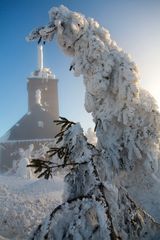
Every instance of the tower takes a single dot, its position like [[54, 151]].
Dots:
[[36, 126], [42, 88]]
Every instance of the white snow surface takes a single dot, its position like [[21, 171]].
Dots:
[[91, 136], [25, 203], [38, 96]]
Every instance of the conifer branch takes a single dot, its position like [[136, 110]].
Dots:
[[44, 167]]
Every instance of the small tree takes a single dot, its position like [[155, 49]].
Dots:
[[92, 208]]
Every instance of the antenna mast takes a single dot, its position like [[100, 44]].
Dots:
[[40, 57]]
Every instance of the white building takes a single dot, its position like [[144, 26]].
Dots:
[[36, 126]]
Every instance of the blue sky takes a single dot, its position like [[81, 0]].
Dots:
[[133, 24]]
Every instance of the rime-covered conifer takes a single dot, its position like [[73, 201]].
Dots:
[[128, 130]]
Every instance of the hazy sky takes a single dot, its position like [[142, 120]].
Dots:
[[133, 24]]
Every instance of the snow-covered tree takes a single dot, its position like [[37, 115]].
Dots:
[[127, 128], [93, 208], [91, 136]]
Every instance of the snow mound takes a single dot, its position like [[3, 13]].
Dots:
[[25, 203], [43, 186]]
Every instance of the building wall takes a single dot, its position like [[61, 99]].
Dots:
[[37, 126], [49, 94]]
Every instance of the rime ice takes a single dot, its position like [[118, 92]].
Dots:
[[126, 116]]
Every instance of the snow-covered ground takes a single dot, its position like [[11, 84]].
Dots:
[[25, 203]]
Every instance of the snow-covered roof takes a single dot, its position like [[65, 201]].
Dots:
[[30, 127], [43, 73]]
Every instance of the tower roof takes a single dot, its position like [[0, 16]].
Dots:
[[37, 124]]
